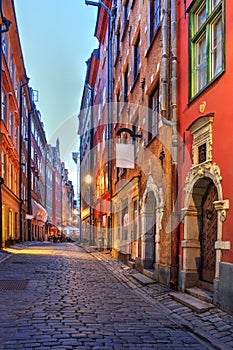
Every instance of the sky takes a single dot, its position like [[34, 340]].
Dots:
[[57, 38]]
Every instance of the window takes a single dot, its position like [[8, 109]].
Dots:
[[206, 44], [125, 220], [118, 106], [135, 139], [101, 182], [4, 45], [4, 116], [11, 224], [10, 176], [15, 182], [103, 138], [16, 137], [153, 114], [154, 18], [126, 11], [135, 215], [3, 164], [126, 84], [12, 70], [117, 43], [136, 58], [202, 153], [11, 125], [201, 130]]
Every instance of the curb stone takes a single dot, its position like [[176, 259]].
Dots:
[[125, 276]]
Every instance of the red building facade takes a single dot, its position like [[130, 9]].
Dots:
[[205, 55]]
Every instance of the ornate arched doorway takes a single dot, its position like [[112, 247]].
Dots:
[[151, 218], [203, 213]]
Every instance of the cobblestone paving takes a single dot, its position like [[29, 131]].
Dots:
[[214, 325], [72, 301]]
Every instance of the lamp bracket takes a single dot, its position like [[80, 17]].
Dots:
[[130, 132]]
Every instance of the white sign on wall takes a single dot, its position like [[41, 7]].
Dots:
[[125, 155]]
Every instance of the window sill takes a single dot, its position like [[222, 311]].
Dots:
[[194, 98]]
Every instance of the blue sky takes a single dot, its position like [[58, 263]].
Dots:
[[57, 37]]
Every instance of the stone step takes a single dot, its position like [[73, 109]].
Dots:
[[131, 264], [142, 279], [200, 294], [149, 273], [193, 303]]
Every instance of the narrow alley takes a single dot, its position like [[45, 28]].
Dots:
[[58, 296]]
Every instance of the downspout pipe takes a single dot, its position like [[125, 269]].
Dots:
[[111, 22], [29, 207], [175, 213], [169, 30], [164, 70], [29, 197], [21, 238]]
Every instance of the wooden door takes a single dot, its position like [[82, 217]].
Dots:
[[208, 235]]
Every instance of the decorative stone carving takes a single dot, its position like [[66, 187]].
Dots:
[[221, 207], [201, 129], [159, 197], [208, 170]]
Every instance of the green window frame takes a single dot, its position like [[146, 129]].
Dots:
[[206, 44]]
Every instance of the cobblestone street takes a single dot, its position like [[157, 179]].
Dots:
[[63, 297]]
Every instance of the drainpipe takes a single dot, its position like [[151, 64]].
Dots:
[[20, 160], [164, 70], [175, 214], [172, 122], [29, 197], [29, 177], [111, 22]]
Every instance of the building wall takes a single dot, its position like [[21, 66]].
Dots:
[[11, 78], [153, 175], [37, 164], [100, 111], [22, 183], [57, 188], [49, 183], [212, 101]]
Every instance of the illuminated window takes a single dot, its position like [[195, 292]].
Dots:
[[3, 164]]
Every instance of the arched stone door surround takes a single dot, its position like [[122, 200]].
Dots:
[[196, 184], [151, 217]]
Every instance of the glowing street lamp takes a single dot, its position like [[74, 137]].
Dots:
[[88, 179]]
